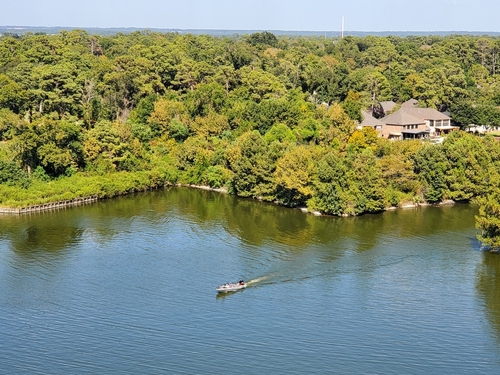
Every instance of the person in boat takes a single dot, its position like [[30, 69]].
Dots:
[[242, 282]]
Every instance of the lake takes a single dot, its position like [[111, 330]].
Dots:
[[127, 286]]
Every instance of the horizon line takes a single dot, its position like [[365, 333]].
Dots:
[[251, 29]]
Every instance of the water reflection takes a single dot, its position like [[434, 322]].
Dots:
[[30, 235], [221, 296], [488, 287], [254, 223], [120, 279], [54, 231]]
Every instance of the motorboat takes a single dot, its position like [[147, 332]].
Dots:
[[231, 287]]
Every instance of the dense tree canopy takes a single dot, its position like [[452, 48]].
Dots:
[[274, 118]]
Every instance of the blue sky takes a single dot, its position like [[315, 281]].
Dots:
[[302, 15]]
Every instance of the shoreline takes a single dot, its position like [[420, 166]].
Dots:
[[60, 204], [56, 205], [48, 206]]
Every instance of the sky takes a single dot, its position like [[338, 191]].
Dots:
[[287, 15]]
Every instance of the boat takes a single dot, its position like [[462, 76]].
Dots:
[[231, 287]]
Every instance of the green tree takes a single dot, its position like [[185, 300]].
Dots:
[[352, 107], [144, 108], [307, 130], [463, 113], [488, 220], [258, 85], [166, 110], [368, 177], [263, 39], [280, 133], [108, 147], [379, 53], [337, 126], [398, 171], [441, 84], [54, 145], [205, 98], [349, 185], [193, 157], [9, 122], [324, 78], [132, 79], [364, 138], [371, 84], [56, 89], [253, 163], [469, 171], [190, 74], [430, 166], [177, 130], [294, 175], [332, 184], [212, 124], [11, 174], [11, 94]]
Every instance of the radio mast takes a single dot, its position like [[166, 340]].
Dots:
[[342, 31]]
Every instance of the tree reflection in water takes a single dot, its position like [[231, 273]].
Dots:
[[488, 286]]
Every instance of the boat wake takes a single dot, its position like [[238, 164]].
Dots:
[[257, 280], [252, 282]]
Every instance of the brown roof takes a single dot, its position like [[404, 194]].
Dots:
[[369, 120], [401, 118], [387, 106], [426, 113], [412, 103]]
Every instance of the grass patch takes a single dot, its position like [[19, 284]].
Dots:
[[80, 185]]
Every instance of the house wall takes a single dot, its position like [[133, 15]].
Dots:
[[387, 129], [443, 122], [415, 126]]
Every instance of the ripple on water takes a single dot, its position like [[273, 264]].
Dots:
[[128, 286]]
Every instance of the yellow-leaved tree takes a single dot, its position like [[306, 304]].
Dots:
[[294, 175]]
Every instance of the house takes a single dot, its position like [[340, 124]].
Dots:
[[438, 122], [412, 122], [402, 125], [481, 129], [371, 122]]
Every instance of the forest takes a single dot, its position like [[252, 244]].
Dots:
[[262, 116]]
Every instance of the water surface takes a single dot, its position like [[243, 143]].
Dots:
[[128, 286]]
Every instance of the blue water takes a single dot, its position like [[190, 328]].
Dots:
[[128, 286]]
